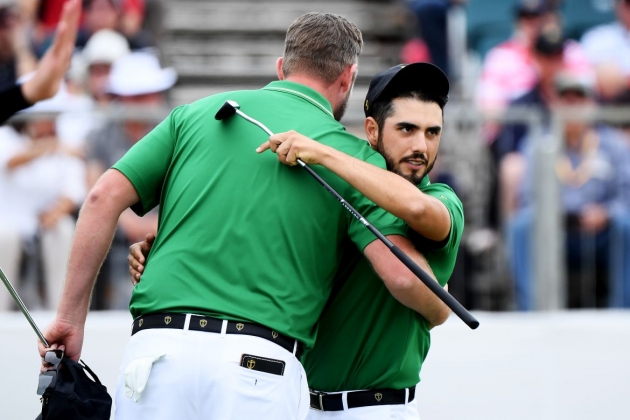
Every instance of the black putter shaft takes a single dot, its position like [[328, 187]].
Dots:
[[18, 300], [230, 108]]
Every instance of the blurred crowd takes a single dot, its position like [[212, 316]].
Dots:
[[539, 67], [55, 151]]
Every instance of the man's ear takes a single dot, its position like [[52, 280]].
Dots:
[[371, 131], [348, 77], [279, 71]]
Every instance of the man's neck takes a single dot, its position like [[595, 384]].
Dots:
[[314, 84]]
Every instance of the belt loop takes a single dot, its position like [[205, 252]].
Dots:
[[187, 322], [224, 327], [295, 347], [406, 395], [344, 400]]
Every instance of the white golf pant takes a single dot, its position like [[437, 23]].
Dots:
[[170, 374], [407, 411]]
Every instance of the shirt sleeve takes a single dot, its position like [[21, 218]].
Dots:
[[455, 209], [447, 249], [385, 222], [146, 164], [11, 101]]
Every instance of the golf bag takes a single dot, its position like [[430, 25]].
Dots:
[[73, 395]]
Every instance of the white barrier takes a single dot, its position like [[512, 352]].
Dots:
[[516, 366]]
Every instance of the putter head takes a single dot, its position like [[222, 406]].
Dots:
[[227, 110]]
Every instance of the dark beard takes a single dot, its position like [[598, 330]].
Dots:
[[415, 179], [340, 111]]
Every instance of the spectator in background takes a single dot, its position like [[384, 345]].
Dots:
[[16, 56], [124, 16], [431, 19], [8, 74], [95, 62], [50, 70], [609, 45], [42, 186], [548, 58], [101, 51], [136, 80], [594, 174], [549, 55], [510, 69]]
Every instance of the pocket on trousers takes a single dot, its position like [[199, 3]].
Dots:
[[263, 364], [258, 376]]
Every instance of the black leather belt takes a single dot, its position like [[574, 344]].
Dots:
[[333, 402], [209, 324]]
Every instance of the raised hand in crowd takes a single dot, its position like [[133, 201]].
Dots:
[[53, 65]]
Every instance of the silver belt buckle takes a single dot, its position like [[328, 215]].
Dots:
[[319, 395]]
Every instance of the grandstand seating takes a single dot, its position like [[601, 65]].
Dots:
[[581, 15], [221, 44], [491, 21]]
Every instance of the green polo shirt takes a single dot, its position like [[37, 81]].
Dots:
[[241, 236], [367, 339]]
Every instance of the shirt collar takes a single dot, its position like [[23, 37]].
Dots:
[[302, 91], [425, 181]]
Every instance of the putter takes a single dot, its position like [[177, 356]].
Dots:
[[230, 108], [18, 300]]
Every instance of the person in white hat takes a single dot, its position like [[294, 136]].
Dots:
[[101, 51], [136, 81]]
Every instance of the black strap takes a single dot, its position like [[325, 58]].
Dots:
[[90, 371], [214, 325], [11, 101], [334, 402]]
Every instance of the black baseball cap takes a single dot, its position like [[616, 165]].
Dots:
[[550, 40], [423, 77]]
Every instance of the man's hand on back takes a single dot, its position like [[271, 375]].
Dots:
[[137, 257]]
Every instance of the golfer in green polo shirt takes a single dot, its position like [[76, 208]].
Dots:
[[369, 349], [246, 250]]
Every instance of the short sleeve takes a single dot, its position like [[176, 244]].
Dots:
[[456, 210], [147, 162], [385, 222]]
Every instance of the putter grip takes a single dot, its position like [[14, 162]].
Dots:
[[449, 300]]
